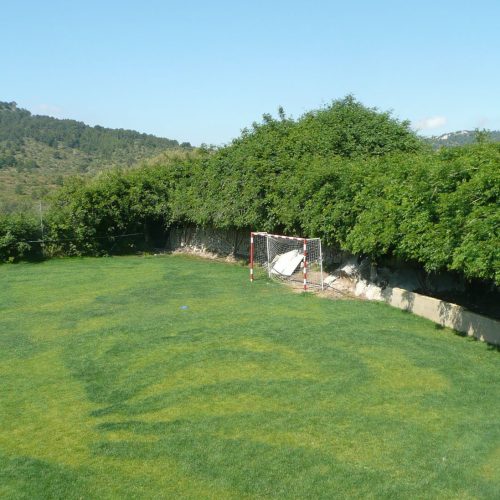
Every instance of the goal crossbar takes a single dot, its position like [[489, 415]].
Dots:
[[298, 238]]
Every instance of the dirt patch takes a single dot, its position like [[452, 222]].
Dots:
[[342, 288], [203, 254]]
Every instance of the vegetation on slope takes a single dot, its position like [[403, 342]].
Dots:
[[351, 175], [111, 390], [38, 152], [464, 137]]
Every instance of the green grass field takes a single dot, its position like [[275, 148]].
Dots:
[[109, 389]]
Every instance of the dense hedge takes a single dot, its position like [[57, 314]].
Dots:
[[18, 236], [353, 176]]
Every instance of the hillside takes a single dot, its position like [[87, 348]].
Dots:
[[464, 137], [37, 152]]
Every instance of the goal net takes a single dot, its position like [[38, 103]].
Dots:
[[287, 258]]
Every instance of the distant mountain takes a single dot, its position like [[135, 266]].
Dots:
[[37, 152], [462, 137]]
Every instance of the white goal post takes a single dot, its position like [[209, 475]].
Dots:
[[287, 258]]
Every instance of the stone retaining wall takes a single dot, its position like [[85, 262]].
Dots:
[[202, 240]]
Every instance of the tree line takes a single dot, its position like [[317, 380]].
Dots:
[[17, 124]]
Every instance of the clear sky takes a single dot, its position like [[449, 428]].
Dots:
[[201, 71]]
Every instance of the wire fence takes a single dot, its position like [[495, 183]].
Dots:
[[35, 249], [62, 240]]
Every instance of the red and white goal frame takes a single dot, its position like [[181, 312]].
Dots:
[[288, 258]]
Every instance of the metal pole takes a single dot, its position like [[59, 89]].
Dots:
[[268, 256], [305, 264], [251, 257], [321, 264], [41, 219]]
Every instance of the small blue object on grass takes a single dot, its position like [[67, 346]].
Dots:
[[184, 307]]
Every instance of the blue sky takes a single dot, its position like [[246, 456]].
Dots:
[[201, 71]]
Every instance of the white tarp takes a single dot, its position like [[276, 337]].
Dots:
[[286, 263]]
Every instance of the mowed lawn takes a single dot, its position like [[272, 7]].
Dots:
[[110, 388]]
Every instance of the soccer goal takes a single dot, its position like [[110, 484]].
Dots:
[[287, 258]]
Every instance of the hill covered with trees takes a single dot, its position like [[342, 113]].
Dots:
[[464, 137], [38, 152]]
